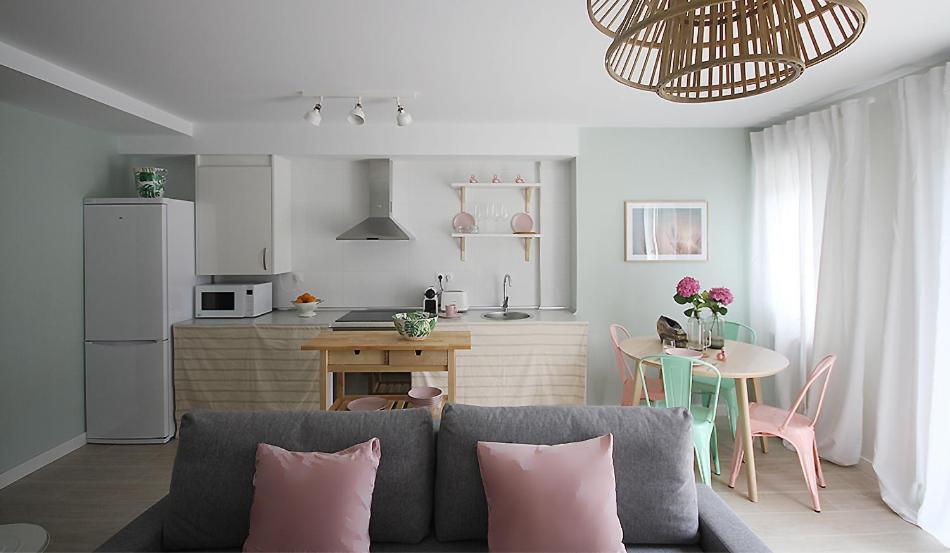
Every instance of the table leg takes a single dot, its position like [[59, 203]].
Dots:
[[324, 380], [745, 433], [451, 369], [759, 398], [637, 388], [339, 385]]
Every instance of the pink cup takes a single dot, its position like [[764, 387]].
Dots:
[[451, 310]]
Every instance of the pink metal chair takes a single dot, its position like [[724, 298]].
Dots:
[[794, 427], [653, 385]]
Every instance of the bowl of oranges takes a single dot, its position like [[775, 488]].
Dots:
[[306, 304]]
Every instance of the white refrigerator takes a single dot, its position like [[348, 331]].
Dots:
[[139, 280]]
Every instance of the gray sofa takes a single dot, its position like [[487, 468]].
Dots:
[[428, 494]]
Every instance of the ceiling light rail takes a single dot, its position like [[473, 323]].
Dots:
[[357, 116]]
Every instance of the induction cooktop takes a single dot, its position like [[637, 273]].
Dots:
[[370, 316]]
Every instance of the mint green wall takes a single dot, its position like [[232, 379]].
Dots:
[[614, 165], [47, 167]]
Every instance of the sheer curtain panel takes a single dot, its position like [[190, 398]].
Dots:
[[912, 446], [809, 215]]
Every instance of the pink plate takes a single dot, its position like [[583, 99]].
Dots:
[[369, 403], [464, 221], [522, 222], [684, 352]]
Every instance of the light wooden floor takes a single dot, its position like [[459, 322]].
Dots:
[[85, 497], [852, 517]]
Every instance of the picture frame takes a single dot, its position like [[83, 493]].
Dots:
[[666, 230]]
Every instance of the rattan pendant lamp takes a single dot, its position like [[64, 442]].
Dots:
[[696, 51]]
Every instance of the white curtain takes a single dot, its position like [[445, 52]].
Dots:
[[912, 446], [809, 215]]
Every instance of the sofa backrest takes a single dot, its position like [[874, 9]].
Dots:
[[653, 464], [212, 490]]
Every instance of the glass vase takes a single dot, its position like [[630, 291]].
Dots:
[[714, 326], [695, 333]]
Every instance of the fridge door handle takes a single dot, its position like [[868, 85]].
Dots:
[[264, 259]]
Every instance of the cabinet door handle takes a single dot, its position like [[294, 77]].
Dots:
[[264, 259]]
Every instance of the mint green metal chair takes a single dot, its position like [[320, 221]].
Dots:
[[727, 390], [678, 377]]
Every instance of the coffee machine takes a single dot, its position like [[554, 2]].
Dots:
[[430, 301]]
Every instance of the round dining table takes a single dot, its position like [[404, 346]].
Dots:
[[743, 362]]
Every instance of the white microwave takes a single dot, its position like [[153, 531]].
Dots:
[[233, 300]]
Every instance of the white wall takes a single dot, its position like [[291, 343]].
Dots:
[[330, 197], [496, 140], [654, 164]]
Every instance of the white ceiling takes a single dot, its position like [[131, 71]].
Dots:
[[498, 61]]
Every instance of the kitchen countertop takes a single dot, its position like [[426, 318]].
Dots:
[[324, 317]]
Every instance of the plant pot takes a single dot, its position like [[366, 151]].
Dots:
[[150, 182]]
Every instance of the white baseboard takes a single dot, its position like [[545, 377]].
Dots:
[[41, 460]]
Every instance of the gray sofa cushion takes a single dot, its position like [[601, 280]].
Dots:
[[211, 490], [653, 463]]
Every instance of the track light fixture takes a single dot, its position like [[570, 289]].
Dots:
[[313, 116], [356, 116], [403, 117]]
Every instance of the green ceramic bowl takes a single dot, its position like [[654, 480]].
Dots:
[[415, 325]]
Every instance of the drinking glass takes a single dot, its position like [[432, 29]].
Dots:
[[668, 344], [495, 216], [478, 211]]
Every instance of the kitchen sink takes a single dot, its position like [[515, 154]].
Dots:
[[506, 316]]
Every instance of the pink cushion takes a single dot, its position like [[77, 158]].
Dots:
[[551, 497], [313, 501]]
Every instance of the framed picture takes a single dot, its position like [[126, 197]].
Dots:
[[665, 231]]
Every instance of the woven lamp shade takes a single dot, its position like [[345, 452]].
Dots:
[[710, 50], [607, 15]]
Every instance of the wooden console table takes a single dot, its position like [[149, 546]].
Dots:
[[384, 351]]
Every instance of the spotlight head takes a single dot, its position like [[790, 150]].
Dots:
[[356, 116], [403, 117], [313, 116]]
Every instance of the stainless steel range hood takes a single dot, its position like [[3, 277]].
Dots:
[[380, 224]]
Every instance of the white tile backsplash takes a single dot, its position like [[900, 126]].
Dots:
[[330, 196]]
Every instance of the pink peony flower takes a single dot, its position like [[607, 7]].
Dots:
[[722, 295], [687, 287]]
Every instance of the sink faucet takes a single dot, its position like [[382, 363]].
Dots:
[[504, 285]]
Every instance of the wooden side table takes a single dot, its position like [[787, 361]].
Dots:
[[383, 351]]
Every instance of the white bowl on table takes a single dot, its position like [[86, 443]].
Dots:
[[307, 309]]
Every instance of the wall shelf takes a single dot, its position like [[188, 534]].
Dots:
[[490, 235], [527, 189], [495, 185], [528, 240]]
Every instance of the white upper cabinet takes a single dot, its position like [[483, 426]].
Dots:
[[243, 215]]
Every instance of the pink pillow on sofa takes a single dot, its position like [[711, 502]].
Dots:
[[313, 501], [551, 497]]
